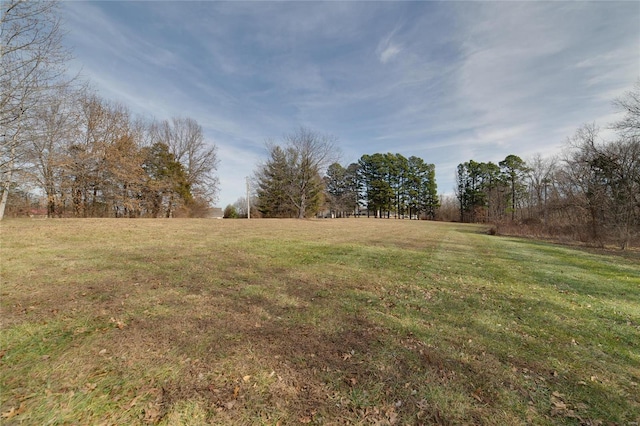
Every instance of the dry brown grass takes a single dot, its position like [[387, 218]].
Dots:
[[287, 322]]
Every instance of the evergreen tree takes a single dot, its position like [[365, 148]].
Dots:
[[167, 185], [273, 185], [515, 170]]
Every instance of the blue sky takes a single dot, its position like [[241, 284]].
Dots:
[[445, 81]]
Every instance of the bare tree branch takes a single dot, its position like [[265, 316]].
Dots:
[[33, 59]]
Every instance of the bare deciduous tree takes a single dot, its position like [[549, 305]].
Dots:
[[310, 152], [95, 161], [290, 182], [55, 123], [602, 179], [629, 125], [541, 172], [33, 58], [185, 139]]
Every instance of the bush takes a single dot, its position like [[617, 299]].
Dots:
[[230, 212]]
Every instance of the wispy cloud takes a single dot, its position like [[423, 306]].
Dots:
[[444, 81], [388, 51], [534, 65]]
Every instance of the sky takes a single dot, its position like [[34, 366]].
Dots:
[[445, 81]]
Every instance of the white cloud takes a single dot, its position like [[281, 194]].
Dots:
[[445, 81], [534, 64], [387, 49], [389, 52]]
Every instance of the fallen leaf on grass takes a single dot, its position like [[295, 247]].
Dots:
[[559, 405], [119, 324], [305, 419], [392, 416], [560, 408], [9, 414], [246, 378], [13, 412], [132, 403], [477, 395], [151, 413]]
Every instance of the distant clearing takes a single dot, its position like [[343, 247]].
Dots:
[[280, 322]]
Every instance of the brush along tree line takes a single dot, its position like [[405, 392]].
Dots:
[[89, 157], [589, 193]]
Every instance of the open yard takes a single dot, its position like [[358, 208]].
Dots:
[[281, 322]]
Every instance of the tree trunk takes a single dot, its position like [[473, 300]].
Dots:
[[302, 210], [5, 195], [7, 183]]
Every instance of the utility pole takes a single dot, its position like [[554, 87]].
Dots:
[[546, 182], [248, 199]]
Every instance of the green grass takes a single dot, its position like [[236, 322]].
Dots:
[[315, 322]]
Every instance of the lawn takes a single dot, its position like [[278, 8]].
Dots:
[[279, 322]]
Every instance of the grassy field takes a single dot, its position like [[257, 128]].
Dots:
[[281, 322]]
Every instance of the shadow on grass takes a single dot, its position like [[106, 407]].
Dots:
[[332, 359], [304, 337]]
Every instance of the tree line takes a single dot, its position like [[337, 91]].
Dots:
[[591, 192], [293, 182], [88, 156], [491, 192], [92, 157]]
